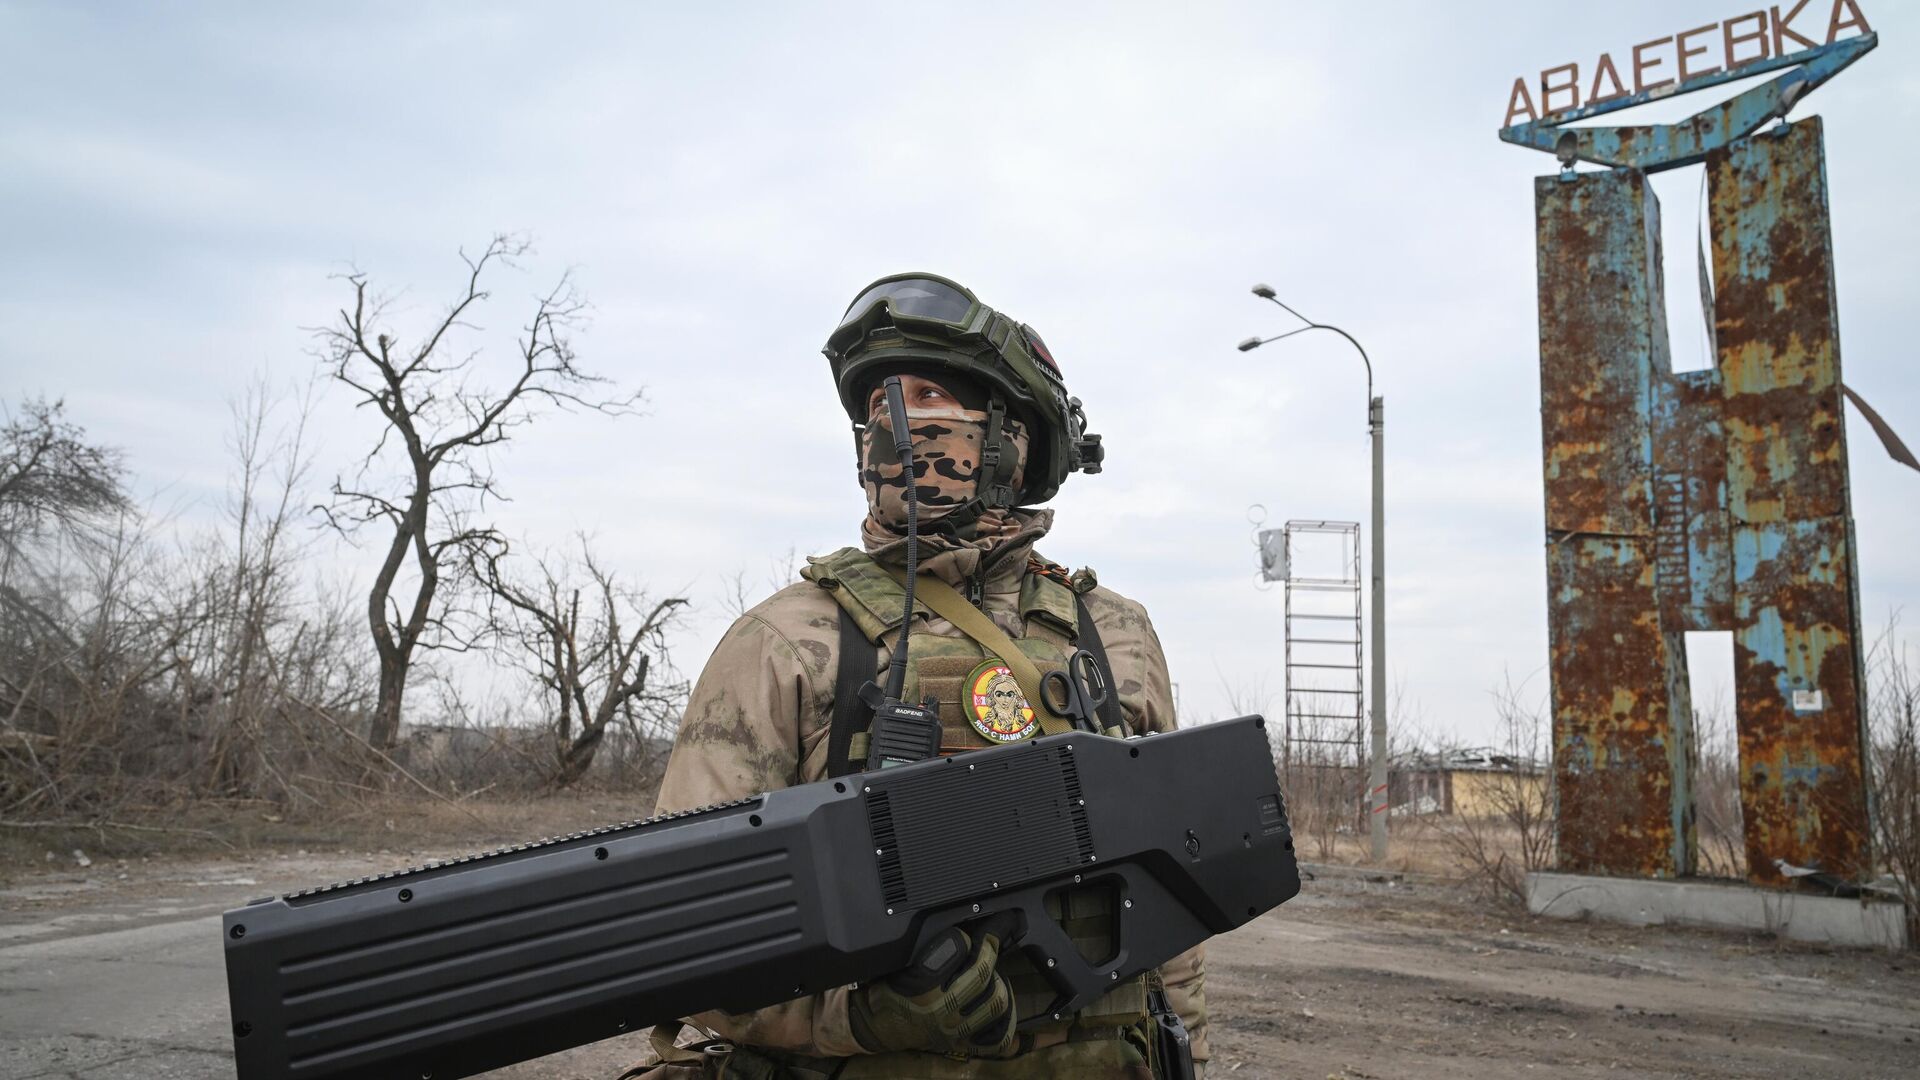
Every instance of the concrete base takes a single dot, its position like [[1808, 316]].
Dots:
[[1723, 905]]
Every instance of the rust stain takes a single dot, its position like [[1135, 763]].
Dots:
[[1706, 500], [1592, 357], [1602, 342], [1796, 627], [1775, 319]]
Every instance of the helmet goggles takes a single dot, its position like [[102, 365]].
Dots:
[[935, 307], [916, 298]]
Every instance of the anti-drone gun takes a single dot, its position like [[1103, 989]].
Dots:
[[459, 967], [455, 968]]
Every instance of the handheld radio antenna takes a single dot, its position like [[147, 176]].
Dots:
[[900, 733], [903, 449]]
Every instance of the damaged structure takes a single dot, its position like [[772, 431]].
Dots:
[[1702, 500]]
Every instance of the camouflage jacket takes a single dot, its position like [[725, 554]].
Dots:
[[759, 717]]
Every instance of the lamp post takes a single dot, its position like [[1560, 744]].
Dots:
[[1377, 800]]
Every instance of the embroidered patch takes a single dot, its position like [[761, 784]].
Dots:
[[995, 706]]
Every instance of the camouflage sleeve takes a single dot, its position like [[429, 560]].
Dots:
[[1185, 977], [753, 714], [1146, 696], [1139, 665], [740, 732]]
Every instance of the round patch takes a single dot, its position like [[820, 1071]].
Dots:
[[995, 705]]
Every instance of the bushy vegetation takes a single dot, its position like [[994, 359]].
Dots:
[[144, 662]]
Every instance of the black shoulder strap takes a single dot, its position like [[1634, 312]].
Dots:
[[859, 661], [1110, 716]]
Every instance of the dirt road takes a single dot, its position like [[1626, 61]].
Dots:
[[1354, 979], [104, 975]]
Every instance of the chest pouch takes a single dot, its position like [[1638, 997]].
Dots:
[[1055, 620]]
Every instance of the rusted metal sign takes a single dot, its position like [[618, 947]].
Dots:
[[1709, 500], [1692, 59]]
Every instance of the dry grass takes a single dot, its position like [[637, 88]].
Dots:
[[147, 667], [396, 823]]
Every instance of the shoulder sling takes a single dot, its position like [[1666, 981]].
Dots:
[[860, 662]]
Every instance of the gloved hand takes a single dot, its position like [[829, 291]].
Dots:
[[949, 1000]]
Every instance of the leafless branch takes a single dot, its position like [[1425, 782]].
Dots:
[[51, 474], [427, 476], [570, 626]]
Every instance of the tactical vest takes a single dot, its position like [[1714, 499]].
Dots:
[[870, 602]]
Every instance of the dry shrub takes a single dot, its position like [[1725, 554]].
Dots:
[[146, 665], [1893, 723], [1511, 832], [1319, 777], [470, 753], [1323, 784], [136, 672], [1722, 850]]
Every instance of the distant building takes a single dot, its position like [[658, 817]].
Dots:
[[1475, 782]]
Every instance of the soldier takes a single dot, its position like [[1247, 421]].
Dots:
[[994, 433]]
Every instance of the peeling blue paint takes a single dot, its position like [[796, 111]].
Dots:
[[1712, 500]]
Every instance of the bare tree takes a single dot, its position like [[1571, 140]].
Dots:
[[50, 473], [439, 428], [594, 647]]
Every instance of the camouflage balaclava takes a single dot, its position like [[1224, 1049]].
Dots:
[[947, 463]]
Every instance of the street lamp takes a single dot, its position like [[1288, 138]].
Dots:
[[1377, 800]]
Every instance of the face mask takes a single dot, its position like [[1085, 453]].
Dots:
[[947, 452]]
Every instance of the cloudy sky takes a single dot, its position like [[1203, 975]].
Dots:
[[178, 183]]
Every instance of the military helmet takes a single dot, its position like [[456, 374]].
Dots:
[[921, 321]]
